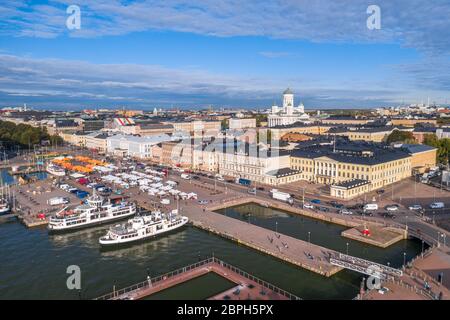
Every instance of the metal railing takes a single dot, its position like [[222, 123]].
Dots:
[[261, 282], [117, 294], [127, 290]]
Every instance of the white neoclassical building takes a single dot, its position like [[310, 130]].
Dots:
[[287, 114]]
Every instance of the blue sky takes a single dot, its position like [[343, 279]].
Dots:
[[146, 54]]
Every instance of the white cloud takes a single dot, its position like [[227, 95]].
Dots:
[[413, 23], [58, 81]]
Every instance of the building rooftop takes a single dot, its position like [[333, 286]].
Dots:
[[350, 184], [283, 172], [357, 153], [417, 148]]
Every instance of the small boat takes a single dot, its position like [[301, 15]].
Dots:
[[4, 206], [55, 170]]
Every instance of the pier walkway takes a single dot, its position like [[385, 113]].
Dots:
[[301, 253], [247, 286]]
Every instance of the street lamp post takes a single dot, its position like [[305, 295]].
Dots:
[[309, 236], [404, 258], [303, 198], [347, 248], [276, 226], [422, 247]]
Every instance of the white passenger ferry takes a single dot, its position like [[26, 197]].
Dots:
[[143, 227], [95, 211], [55, 170]]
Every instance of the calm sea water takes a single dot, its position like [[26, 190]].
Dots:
[[33, 264]]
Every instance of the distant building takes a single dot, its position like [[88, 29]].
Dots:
[[412, 122], [127, 125], [242, 123], [133, 146], [340, 120], [96, 141], [197, 127], [91, 125], [295, 137], [369, 134], [287, 114]]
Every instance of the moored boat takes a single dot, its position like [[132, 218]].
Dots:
[[143, 227]]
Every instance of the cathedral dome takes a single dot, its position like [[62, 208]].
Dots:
[[288, 91]]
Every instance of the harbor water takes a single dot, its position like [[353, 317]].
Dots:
[[33, 263]]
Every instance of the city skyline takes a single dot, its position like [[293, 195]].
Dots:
[[224, 54]]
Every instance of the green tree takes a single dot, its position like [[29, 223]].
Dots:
[[401, 136], [224, 124], [443, 146], [24, 135], [260, 118]]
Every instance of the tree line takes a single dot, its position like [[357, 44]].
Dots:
[[25, 135]]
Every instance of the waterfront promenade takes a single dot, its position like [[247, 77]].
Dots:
[[301, 253]]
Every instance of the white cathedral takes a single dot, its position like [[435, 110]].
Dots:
[[288, 114]]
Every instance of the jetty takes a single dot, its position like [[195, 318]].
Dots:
[[247, 285]]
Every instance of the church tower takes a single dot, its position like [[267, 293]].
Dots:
[[288, 101]]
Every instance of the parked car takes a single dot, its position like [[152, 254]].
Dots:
[[345, 211], [260, 189], [324, 209], [370, 206], [415, 207], [437, 205], [316, 201], [308, 206], [203, 201], [251, 191], [389, 215], [381, 191], [195, 177], [392, 207]]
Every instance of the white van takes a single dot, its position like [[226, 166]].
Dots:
[[371, 206], [437, 205], [185, 176]]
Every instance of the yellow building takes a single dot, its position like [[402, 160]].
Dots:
[[337, 165], [345, 120], [423, 157], [280, 131], [378, 134], [412, 122]]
